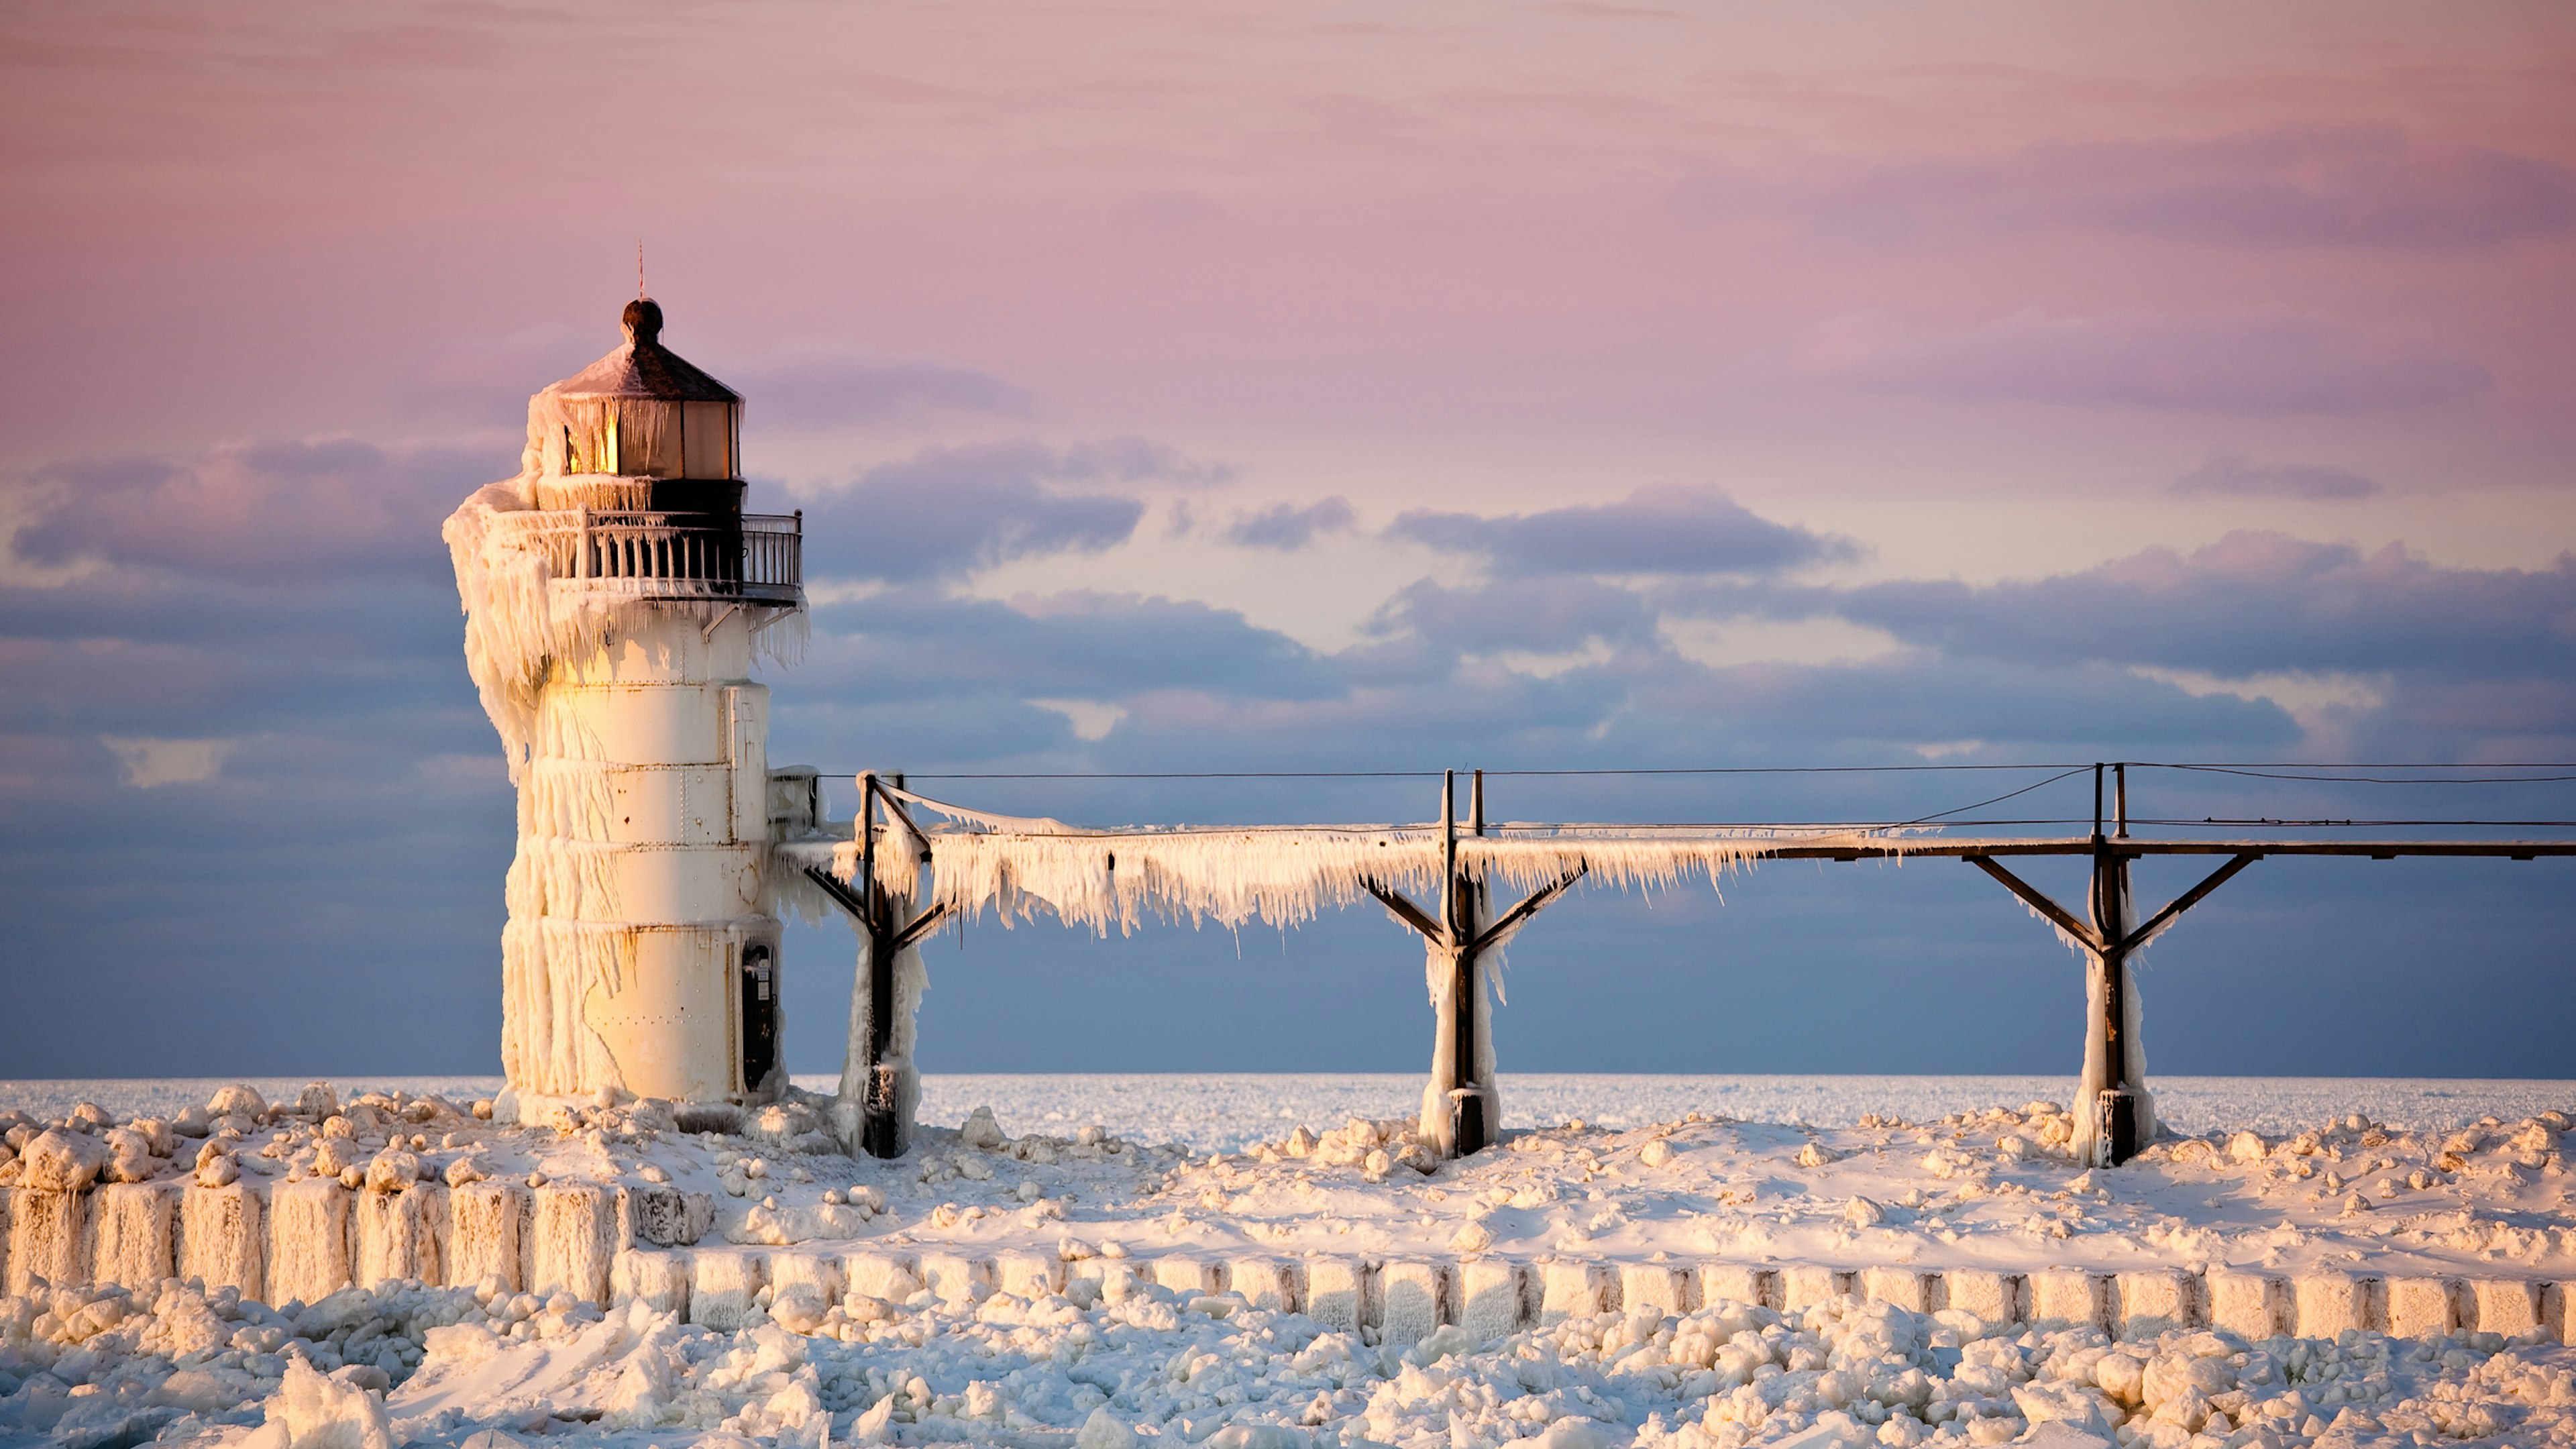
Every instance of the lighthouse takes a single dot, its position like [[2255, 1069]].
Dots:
[[616, 595]]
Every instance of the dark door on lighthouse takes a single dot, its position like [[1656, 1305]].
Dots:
[[759, 987]]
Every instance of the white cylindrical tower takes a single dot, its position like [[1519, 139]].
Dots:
[[615, 596]]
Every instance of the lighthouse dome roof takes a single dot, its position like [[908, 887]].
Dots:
[[643, 368]]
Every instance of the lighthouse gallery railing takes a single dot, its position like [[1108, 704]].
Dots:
[[684, 555]]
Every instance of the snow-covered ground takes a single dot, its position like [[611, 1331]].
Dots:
[[1064, 1178], [1212, 1112]]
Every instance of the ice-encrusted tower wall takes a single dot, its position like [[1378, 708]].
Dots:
[[615, 596]]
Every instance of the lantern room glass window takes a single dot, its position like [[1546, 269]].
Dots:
[[647, 438]]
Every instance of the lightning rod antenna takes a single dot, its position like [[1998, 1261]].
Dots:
[[639, 267]]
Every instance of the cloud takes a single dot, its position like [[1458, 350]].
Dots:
[[1539, 616], [1076, 645], [950, 511], [275, 512], [2255, 363], [1912, 703], [2351, 187], [312, 746], [1652, 531], [1139, 460], [1287, 528], [150, 762], [2251, 604], [2244, 478], [1090, 720]]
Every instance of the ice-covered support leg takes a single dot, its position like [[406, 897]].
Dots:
[[1461, 1108], [2115, 1113], [880, 1085]]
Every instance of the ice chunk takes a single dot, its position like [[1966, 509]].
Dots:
[[874, 1427], [812, 1223], [980, 1130], [392, 1171], [1028, 1274], [2059, 1434], [2061, 1401], [238, 1100], [333, 1156], [2170, 1376], [791, 1127], [314, 1412], [799, 1308], [1257, 1436], [61, 1161], [1576, 1432], [1103, 1430]]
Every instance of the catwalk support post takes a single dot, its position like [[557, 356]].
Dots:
[[2114, 1114], [871, 1111], [2117, 1105], [1461, 1108]]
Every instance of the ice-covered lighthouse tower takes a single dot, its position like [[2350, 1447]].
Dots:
[[615, 595]]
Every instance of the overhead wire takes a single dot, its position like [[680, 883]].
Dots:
[[1936, 819]]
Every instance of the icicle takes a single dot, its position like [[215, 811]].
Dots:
[[1281, 876], [526, 611]]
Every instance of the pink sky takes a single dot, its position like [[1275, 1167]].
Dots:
[[1604, 232]]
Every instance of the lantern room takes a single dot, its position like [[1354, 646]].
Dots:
[[639, 429]]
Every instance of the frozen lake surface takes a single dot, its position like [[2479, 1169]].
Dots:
[[1209, 1111]]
